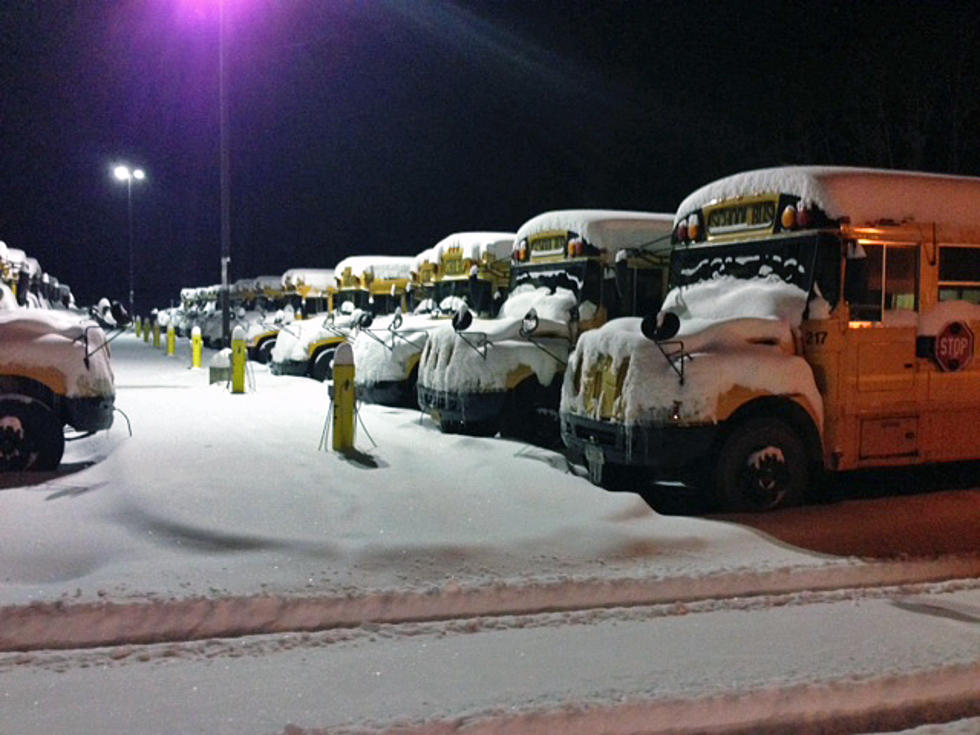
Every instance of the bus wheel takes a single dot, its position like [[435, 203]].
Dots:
[[31, 438], [322, 367], [761, 465]]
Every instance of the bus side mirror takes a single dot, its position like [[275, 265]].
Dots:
[[364, 319], [462, 319], [119, 314], [660, 327], [529, 324], [396, 320]]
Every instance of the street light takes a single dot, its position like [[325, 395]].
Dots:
[[225, 185], [125, 173]]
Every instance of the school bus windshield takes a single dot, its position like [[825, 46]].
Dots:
[[800, 261], [581, 278]]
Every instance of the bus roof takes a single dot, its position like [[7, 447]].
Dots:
[[475, 244], [862, 195], [606, 229], [429, 254], [382, 266], [270, 282], [319, 278]]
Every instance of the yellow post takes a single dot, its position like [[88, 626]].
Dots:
[[146, 333], [239, 355], [156, 333], [139, 326], [196, 347], [343, 398], [171, 340]]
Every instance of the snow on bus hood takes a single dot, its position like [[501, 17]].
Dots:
[[738, 334], [50, 346], [295, 338], [704, 304], [384, 354], [452, 365]]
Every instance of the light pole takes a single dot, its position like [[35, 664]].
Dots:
[[225, 184], [125, 173]]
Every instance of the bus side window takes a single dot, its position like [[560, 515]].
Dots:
[[959, 274], [884, 279], [862, 281], [901, 278]]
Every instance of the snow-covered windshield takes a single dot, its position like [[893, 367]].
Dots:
[[347, 301], [797, 261], [583, 279]]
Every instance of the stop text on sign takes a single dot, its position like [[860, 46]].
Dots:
[[954, 346]]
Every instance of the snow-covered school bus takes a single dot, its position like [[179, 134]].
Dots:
[[571, 270], [470, 269], [820, 318], [306, 291], [365, 284], [54, 372]]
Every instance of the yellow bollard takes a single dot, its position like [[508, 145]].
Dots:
[[239, 355], [139, 327], [343, 398], [146, 333], [171, 340], [196, 347], [156, 333]]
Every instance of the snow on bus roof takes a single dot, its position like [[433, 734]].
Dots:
[[16, 256], [603, 228], [270, 282], [382, 266], [429, 254], [319, 278], [475, 244], [864, 195]]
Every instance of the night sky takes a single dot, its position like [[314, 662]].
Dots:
[[380, 126]]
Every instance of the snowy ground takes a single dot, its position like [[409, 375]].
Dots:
[[216, 572]]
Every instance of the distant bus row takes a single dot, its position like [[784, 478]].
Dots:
[[29, 285], [782, 323]]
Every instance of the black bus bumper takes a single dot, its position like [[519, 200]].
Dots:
[[462, 409], [657, 448], [89, 414]]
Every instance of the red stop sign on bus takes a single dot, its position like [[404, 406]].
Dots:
[[954, 347]]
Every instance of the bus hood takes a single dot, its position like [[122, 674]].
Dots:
[[66, 353], [383, 354], [617, 374]]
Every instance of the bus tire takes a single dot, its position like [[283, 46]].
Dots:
[[31, 436], [322, 367], [761, 465]]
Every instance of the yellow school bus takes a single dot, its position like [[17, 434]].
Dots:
[[820, 319]]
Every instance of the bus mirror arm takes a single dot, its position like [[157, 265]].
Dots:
[[675, 358], [482, 345]]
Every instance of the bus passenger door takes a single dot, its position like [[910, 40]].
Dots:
[[883, 386]]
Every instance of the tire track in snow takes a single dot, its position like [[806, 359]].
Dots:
[[842, 704], [63, 625], [827, 708]]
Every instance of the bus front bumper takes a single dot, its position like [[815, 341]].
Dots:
[[289, 367], [398, 393], [462, 409], [658, 448], [89, 414]]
